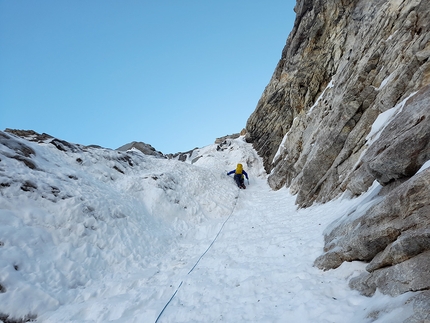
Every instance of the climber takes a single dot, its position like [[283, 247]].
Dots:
[[238, 176]]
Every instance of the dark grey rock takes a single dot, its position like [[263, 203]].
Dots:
[[394, 229], [409, 244], [421, 306], [29, 135], [224, 138], [404, 145], [398, 279]]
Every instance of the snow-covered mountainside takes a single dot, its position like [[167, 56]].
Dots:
[[96, 235], [72, 215]]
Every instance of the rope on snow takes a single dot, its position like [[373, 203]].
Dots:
[[197, 262]]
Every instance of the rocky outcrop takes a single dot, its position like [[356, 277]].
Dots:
[[393, 230], [182, 156], [120, 161], [147, 149], [345, 62], [188, 155], [233, 136], [348, 105], [224, 138]]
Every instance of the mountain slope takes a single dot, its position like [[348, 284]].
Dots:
[[71, 215]]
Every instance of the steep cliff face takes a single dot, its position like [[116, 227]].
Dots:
[[345, 62], [348, 105]]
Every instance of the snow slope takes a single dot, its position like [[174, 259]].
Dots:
[[94, 235]]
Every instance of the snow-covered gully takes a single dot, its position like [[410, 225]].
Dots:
[[198, 260], [169, 241], [261, 269]]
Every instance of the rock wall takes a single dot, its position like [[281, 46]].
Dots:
[[345, 62], [348, 105]]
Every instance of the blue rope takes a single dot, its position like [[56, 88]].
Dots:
[[169, 301], [216, 237], [195, 265]]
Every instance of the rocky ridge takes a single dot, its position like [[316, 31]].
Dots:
[[347, 66], [147, 149]]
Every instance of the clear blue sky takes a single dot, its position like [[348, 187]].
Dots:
[[172, 73]]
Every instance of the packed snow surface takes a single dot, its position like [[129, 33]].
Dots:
[[94, 235]]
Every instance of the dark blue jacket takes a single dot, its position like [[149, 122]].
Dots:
[[234, 171]]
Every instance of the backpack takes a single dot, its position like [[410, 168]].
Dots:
[[239, 169]]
